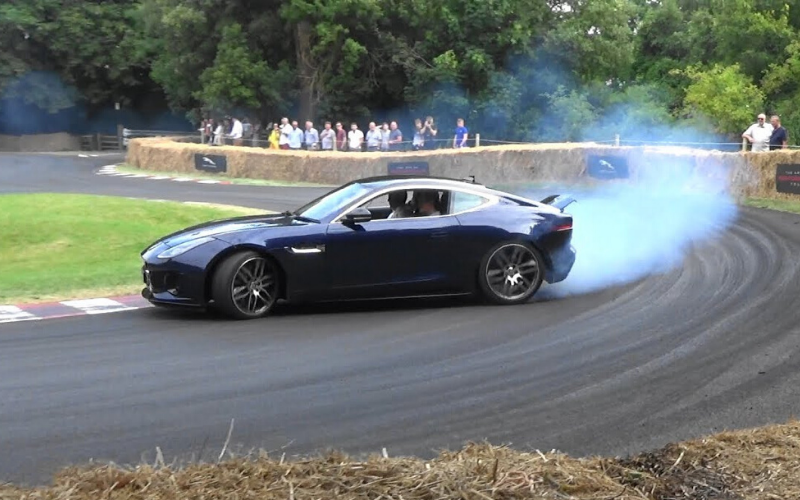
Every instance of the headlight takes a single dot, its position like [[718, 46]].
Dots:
[[183, 247]]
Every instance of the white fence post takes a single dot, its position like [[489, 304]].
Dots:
[[616, 140], [477, 140]]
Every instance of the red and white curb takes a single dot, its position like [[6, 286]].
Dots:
[[68, 308], [111, 170]]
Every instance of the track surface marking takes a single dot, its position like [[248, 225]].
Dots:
[[708, 346]]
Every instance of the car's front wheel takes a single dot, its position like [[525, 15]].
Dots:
[[511, 272], [245, 285]]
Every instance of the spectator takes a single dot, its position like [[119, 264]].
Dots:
[[395, 137], [275, 137], [295, 137], [419, 140], [255, 139], [385, 136], [758, 134], [327, 136], [218, 133], [210, 131], [247, 130], [311, 137], [374, 138], [355, 138], [341, 137], [286, 132], [236, 131], [462, 134], [429, 133], [779, 137]]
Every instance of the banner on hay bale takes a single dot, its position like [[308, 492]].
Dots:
[[607, 167], [210, 163], [409, 168], [787, 178]]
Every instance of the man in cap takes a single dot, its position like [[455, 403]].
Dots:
[[758, 134]]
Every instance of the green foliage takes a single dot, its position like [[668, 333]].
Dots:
[[725, 95], [570, 112], [238, 79], [515, 69], [54, 53]]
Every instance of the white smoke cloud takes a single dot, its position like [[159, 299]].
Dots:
[[628, 230]]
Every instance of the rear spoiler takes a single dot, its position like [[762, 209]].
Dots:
[[559, 201]]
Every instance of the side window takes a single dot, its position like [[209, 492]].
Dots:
[[389, 205], [466, 201]]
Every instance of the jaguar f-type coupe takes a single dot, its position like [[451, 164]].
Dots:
[[374, 238]]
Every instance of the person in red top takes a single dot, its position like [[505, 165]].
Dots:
[[341, 137]]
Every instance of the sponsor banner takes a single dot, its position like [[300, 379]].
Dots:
[[787, 178], [210, 163], [607, 167], [409, 168]]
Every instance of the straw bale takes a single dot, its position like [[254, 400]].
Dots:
[[745, 174], [758, 464]]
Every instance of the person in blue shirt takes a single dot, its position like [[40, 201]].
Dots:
[[462, 134], [779, 138]]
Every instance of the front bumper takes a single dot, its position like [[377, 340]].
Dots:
[[168, 285], [181, 280]]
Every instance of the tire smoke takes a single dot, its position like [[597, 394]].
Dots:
[[627, 230]]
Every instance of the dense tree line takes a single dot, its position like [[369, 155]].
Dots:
[[524, 70]]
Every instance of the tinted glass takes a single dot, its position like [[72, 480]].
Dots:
[[332, 203], [466, 201]]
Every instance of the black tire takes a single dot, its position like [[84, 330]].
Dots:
[[255, 276], [511, 272]]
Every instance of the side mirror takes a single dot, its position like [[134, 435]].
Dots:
[[358, 215]]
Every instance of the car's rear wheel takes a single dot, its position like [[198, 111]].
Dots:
[[511, 272], [245, 285]]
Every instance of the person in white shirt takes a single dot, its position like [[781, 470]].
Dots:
[[218, 133], [758, 134], [237, 130], [286, 132], [355, 138]]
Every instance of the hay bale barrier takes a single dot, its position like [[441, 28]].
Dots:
[[745, 173], [753, 464]]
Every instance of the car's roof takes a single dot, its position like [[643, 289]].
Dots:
[[380, 182]]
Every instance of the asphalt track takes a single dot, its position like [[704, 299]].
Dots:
[[711, 345], [60, 173]]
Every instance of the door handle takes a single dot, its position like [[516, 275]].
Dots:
[[440, 234]]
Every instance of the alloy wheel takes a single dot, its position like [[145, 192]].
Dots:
[[512, 271], [254, 287]]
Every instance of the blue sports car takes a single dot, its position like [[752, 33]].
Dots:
[[381, 237]]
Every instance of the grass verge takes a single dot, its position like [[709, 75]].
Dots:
[[757, 464], [63, 246], [128, 169], [792, 206]]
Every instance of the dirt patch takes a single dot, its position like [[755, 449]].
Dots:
[[757, 464]]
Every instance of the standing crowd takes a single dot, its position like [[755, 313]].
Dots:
[[766, 136], [285, 135]]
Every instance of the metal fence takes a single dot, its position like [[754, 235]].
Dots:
[[100, 142]]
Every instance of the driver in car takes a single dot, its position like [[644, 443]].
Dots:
[[397, 202], [427, 202]]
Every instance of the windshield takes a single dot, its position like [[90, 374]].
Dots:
[[330, 204]]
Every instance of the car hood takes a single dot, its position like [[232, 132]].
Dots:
[[225, 226]]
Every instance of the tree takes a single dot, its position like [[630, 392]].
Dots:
[[238, 80], [56, 53], [725, 95]]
